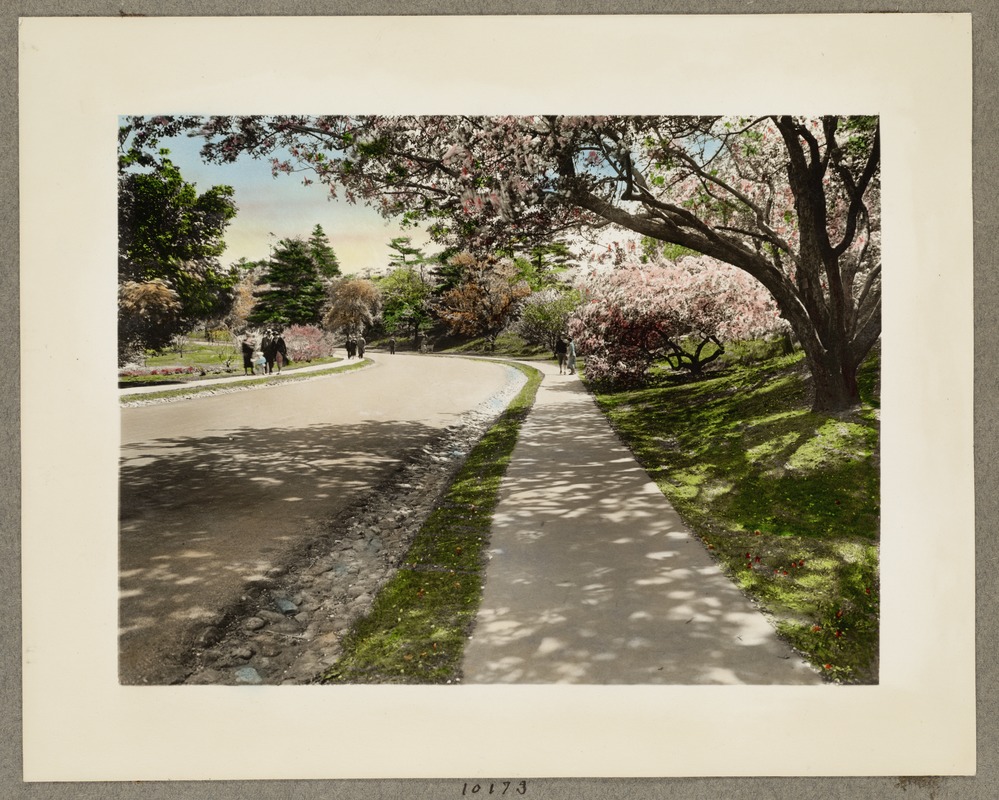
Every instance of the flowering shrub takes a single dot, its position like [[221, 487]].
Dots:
[[307, 342], [635, 315], [142, 373]]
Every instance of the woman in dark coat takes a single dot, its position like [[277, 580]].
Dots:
[[268, 346], [248, 346], [280, 351]]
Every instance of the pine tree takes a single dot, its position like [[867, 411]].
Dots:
[[291, 290], [319, 247]]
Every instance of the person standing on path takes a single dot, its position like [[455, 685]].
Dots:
[[570, 349], [360, 346], [392, 345], [561, 350], [268, 346], [351, 346], [248, 347], [280, 351]]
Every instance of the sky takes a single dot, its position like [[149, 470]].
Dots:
[[273, 208]]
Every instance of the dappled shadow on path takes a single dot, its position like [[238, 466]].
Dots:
[[593, 577], [203, 517]]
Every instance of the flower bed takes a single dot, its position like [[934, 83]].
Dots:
[[143, 373]]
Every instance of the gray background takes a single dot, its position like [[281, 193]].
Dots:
[[986, 176]]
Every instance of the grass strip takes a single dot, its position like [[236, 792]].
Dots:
[[786, 499], [193, 388], [420, 620]]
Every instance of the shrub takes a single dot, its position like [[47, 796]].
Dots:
[[308, 342]]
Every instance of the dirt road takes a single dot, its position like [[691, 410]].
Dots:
[[215, 490]]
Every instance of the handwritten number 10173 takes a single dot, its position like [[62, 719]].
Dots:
[[494, 788]]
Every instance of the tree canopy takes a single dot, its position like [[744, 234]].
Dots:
[[354, 304], [290, 290], [486, 298], [544, 316], [792, 201], [322, 253], [170, 237]]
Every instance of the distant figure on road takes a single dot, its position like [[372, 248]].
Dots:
[[351, 346], [360, 346], [571, 356], [392, 345], [561, 349], [248, 347]]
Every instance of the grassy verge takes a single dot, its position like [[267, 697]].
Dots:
[[420, 620], [285, 377], [507, 344], [786, 499], [203, 371]]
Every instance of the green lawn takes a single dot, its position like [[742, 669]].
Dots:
[[787, 500]]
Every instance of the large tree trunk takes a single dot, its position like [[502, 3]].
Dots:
[[835, 383]]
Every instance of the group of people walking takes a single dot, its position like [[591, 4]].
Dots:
[[273, 353], [565, 352], [355, 346]]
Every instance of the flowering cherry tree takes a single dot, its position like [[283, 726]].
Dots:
[[792, 201], [684, 313]]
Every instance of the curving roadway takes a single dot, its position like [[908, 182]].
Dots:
[[215, 489]]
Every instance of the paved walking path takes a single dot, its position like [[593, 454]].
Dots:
[[594, 579]]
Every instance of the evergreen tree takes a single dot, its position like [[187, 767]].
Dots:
[[291, 290], [319, 248], [405, 255]]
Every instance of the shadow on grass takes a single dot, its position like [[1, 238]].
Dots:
[[788, 499]]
